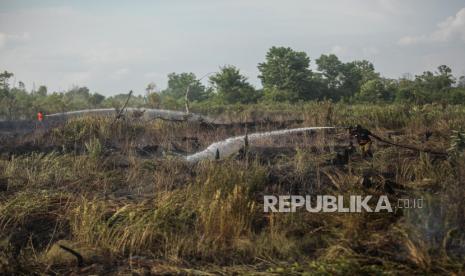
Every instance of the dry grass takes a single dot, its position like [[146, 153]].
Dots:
[[125, 212]]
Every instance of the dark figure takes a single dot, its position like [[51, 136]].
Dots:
[[363, 139]]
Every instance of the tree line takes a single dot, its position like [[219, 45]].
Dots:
[[285, 75]]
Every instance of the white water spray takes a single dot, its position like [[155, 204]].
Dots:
[[225, 147], [147, 114], [234, 144]]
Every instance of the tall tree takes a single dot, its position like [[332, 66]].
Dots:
[[429, 86], [152, 97], [96, 100], [21, 86], [179, 83], [232, 87], [377, 90], [444, 79], [286, 70], [78, 97], [4, 80], [331, 68], [345, 79], [7, 99], [365, 71], [461, 82], [151, 88], [42, 92]]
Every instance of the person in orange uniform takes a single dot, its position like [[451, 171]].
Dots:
[[40, 116]]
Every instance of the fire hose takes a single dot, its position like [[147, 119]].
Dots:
[[359, 129]]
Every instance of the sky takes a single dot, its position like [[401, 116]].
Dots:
[[116, 46]]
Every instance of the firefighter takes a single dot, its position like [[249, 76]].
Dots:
[[40, 119], [40, 116], [363, 139]]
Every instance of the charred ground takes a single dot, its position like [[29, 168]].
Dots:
[[120, 195]]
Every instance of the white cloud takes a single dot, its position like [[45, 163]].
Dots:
[[115, 48], [451, 29]]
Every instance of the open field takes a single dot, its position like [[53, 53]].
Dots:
[[120, 194]]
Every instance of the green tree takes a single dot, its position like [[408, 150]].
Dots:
[[96, 99], [153, 100], [4, 80], [178, 85], [151, 88], [332, 70], [457, 96], [444, 77], [429, 87], [42, 91], [232, 87], [77, 98], [7, 99], [461, 82], [355, 74], [365, 71], [21, 85], [21, 104], [54, 103], [344, 79], [117, 101], [286, 72], [376, 90]]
